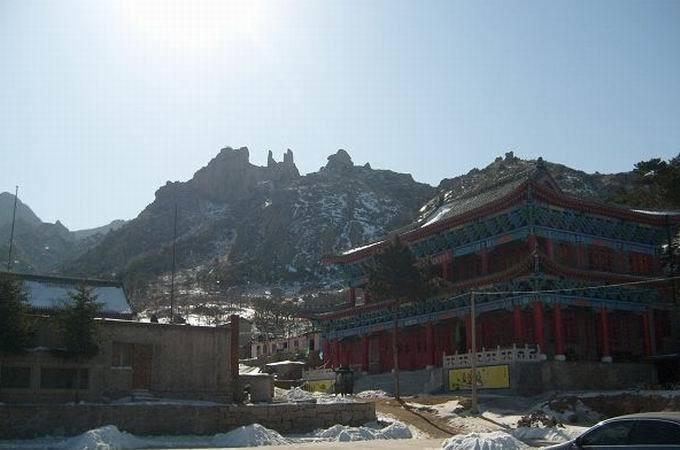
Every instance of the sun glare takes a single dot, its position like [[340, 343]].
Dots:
[[193, 24]]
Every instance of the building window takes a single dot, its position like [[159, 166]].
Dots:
[[57, 378], [121, 354], [15, 377]]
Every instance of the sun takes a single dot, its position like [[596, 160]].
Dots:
[[193, 24]]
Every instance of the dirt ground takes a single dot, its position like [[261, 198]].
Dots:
[[428, 423]]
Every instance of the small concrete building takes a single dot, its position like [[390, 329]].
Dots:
[[135, 359]]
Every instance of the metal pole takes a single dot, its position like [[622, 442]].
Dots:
[[671, 259], [11, 233], [474, 409], [172, 276]]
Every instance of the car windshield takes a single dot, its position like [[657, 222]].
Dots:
[[615, 433], [655, 432]]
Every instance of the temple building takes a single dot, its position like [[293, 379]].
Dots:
[[535, 248]]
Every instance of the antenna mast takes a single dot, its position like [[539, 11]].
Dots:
[[172, 277], [11, 234]]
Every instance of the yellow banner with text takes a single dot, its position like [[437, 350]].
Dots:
[[488, 377]]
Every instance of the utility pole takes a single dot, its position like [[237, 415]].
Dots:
[[671, 259], [474, 409], [11, 233], [395, 351], [172, 277]]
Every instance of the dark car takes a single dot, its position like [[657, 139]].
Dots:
[[635, 431]]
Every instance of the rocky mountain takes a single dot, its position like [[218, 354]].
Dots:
[[39, 246], [24, 213], [244, 225], [597, 186], [239, 223]]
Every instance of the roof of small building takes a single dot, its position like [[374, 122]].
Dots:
[[48, 293]]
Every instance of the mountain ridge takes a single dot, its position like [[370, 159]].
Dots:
[[240, 224]]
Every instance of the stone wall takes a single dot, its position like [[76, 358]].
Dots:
[[31, 420], [533, 378], [180, 361]]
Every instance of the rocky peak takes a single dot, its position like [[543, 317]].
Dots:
[[288, 157], [340, 161]]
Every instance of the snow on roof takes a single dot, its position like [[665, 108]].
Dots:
[[45, 292], [282, 363], [356, 249], [656, 213]]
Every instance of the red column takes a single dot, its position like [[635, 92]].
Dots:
[[550, 249], [539, 337], [559, 333], [484, 257], [429, 343], [326, 352], [647, 342], [468, 332], [446, 270], [604, 329], [532, 242], [518, 326], [364, 359], [336, 353]]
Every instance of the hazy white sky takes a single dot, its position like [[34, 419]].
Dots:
[[103, 101]]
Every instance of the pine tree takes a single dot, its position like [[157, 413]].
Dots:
[[397, 275], [15, 329], [76, 320]]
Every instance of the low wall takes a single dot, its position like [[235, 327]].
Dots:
[[533, 378], [27, 421]]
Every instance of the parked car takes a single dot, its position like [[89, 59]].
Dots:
[[635, 431]]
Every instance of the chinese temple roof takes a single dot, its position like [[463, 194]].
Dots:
[[451, 208]]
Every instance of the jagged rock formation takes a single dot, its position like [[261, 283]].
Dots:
[[241, 223]]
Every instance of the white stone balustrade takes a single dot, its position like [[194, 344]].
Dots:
[[496, 356]]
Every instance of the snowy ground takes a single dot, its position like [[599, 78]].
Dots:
[[496, 426], [111, 438]]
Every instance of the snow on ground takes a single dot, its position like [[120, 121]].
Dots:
[[452, 412], [495, 440], [300, 395], [104, 438], [372, 394], [111, 438], [253, 435], [576, 413], [344, 433]]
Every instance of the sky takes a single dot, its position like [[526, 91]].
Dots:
[[102, 102]]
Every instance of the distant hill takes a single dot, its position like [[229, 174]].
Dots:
[[41, 247], [24, 213]]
